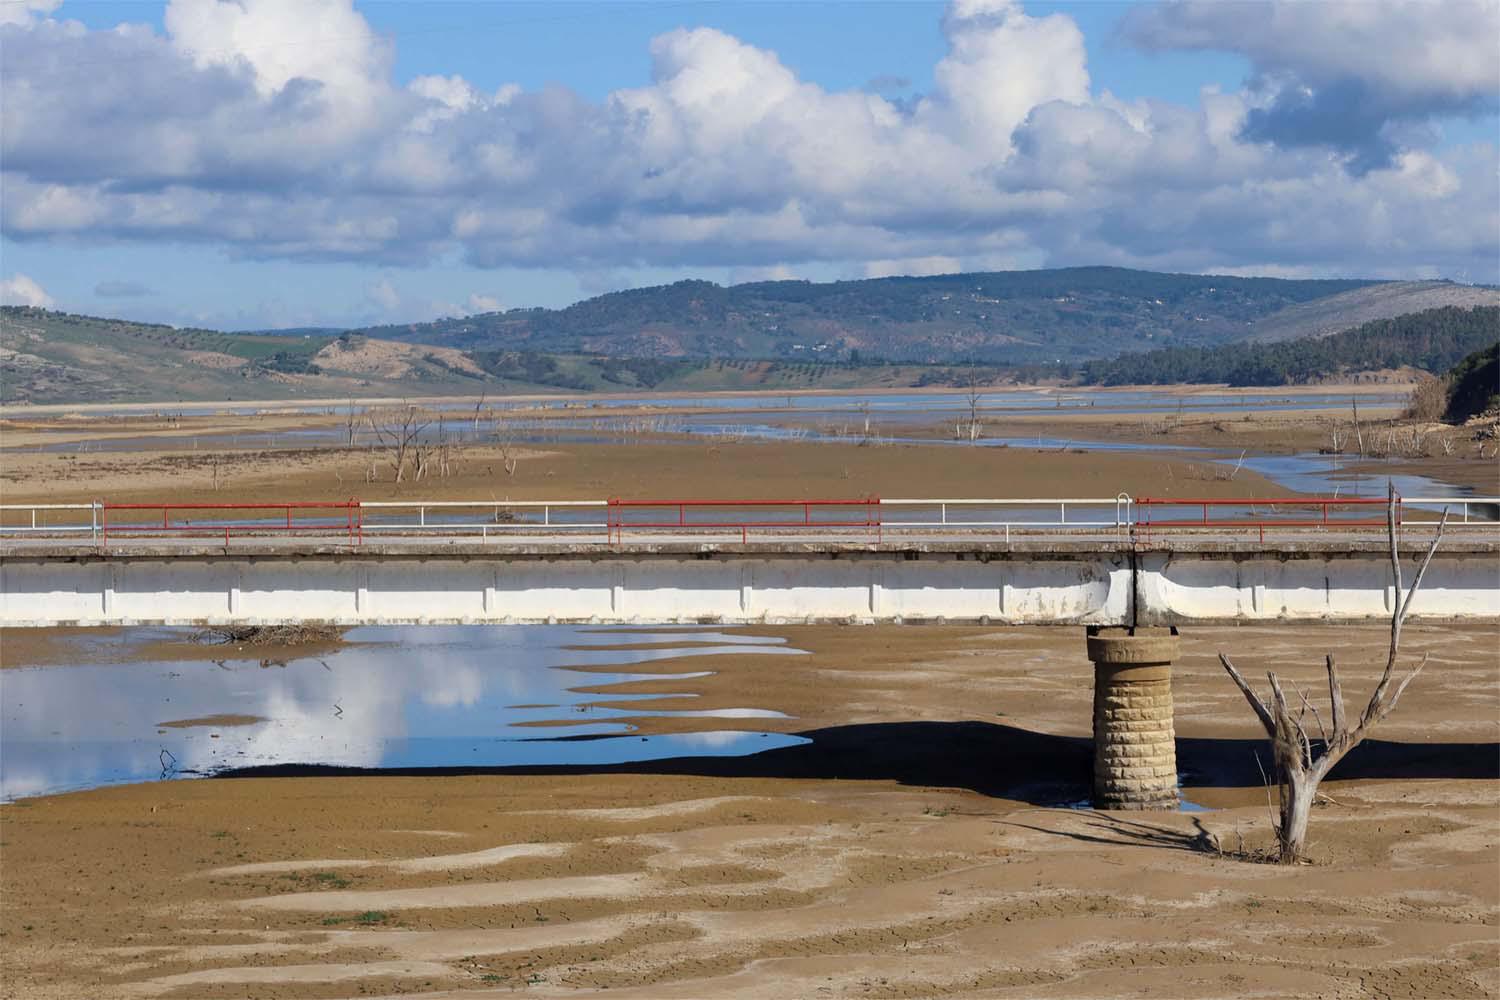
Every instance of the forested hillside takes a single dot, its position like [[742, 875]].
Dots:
[[1433, 340], [55, 357], [697, 336], [1008, 316], [1474, 385]]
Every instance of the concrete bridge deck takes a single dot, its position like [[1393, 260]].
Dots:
[[1193, 578], [1111, 561]]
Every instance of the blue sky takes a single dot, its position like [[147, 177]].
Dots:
[[280, 163]]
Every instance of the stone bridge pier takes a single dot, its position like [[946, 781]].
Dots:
[[1135, 749]]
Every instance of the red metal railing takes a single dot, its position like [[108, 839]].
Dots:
[[800, 518], [257, 523], [619, 520], [1147, 521]]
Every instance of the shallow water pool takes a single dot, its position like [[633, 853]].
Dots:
[[389, 697]]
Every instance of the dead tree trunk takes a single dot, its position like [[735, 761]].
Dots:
[[974, 398], [398, 430], [504, 432], [1302, 764]]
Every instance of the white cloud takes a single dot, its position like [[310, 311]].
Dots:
[[211, 134], [1352, 75], [321, 41], [1424, 50], [480, 303], [1001, 64], [20, 290], [383, 294], [22, 11]]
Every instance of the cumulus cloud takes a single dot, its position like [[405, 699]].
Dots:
[[211, 134], [480, 303], [23, 11], [383, 295], [279, 43], [20, 290], [1353, 75]]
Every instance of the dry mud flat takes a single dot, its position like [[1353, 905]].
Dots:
[[907, 852], [698, 470]]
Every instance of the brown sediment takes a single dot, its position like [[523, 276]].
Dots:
[[214, 721], [900, 854], [701, 469], [34, 647]]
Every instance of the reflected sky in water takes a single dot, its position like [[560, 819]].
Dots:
[[591, 419], [391, 697]]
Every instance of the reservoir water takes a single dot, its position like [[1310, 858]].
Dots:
[[430, 696]]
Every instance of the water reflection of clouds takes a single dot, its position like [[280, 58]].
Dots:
[[389, 697]]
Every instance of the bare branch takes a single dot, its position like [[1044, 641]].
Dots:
[[1308, 706], [1289, 729], [1373, 711], [1336, 699], [1261, 711], [1394, 534], [1426, 560]]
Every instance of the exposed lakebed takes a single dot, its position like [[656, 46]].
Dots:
[[388, 698]]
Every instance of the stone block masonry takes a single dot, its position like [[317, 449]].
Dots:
[[1135, 743]]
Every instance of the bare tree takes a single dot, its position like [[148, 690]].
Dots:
[[478, 410], [505, 440], [1359, 434], [973, 396], [351, 424], [398, 429], [1301, 764]]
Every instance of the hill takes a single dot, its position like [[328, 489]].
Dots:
[[697, 336], [1013, 317], [1336, 313], [1433, 340], [62, 357], [1474, 385], [55, 357]]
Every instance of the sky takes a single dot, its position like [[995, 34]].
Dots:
[[249, 164]]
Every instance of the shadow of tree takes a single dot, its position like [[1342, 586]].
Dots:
[[990, 758], [1114, 830]]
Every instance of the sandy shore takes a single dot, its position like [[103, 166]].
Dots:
[[263, 456], [698, 470], [906, 852]]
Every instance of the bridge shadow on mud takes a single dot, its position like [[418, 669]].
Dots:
[[990, 758]]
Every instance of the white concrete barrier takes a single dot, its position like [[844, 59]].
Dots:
[[1076, 583]]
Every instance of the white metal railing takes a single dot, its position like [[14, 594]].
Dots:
[[949, 513], [514, 516], [36, 526], [591, 521], [1458, 508]]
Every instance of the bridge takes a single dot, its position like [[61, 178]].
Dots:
[[1131, 570]]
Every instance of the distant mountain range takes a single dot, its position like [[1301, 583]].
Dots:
[[1011, 317], [698, 336]]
